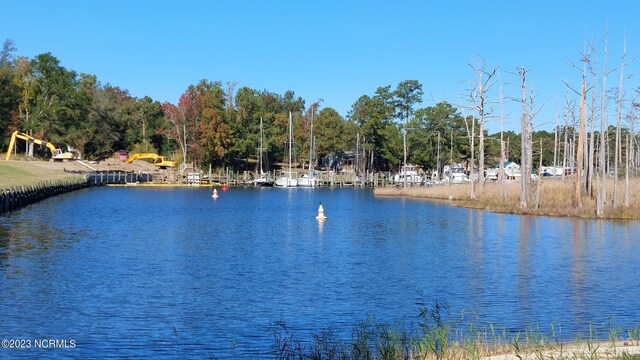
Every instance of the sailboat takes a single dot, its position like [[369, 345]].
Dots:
[[287, 179], [309, 179], [263, 179]]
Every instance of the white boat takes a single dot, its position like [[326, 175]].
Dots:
[[308, 180], [408, 174], [288, 178], [264, 178]]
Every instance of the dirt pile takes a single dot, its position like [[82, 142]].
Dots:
[[112, 164]]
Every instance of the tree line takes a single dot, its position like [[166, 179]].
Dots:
[[215, 123]]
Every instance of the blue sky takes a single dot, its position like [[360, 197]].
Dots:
[[336, 51]]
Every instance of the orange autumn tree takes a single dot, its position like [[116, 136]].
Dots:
[[198, 123], [213, 129]]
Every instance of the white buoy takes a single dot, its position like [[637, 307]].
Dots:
[[321, 213], [215, 194]]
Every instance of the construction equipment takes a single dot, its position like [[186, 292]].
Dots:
[[56, 154], [157, 160]]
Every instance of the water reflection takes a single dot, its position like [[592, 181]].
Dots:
[[524, 269], [577, 272], [320, 227], [476, 244], [29, 232]]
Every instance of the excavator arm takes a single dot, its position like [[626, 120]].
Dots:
[[18, 135], [12, 142]]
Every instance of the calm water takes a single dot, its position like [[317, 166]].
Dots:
[[174, 273]]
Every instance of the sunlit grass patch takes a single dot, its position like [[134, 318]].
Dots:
[[24, 173]]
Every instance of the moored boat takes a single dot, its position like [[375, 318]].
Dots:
[[308, 180], [288, 178], [264, 179]]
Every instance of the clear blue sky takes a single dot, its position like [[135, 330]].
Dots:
[[331, 50]]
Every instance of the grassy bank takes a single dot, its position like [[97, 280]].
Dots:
[[15, 173], [555, 199], [439, 336]]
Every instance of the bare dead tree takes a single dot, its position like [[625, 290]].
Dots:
[[581, 137], [231, 86], [618, 125], [526, 127], [572, 144], [525, 143], [603, 128], [177, 117], [626, 177], [566, 130], [502, 150], [483, 81], [539, 178], [471, 133], [592, 152], [555, 140], [581, 144], [632, 121]]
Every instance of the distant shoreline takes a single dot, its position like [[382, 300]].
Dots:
[[555, 194]]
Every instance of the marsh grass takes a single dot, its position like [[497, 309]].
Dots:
[[555, 199], [634, 335], [627, 356], [438, 335]]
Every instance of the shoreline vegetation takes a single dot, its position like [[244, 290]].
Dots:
[[437, 335], [555, 198]]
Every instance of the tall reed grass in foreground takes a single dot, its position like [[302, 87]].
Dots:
[[555, 198], [441, 336]]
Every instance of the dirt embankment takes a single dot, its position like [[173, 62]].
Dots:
[[110, 165]]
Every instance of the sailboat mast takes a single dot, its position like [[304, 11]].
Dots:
[[357, 152], [311, 143], [290, 144], [260, 152]]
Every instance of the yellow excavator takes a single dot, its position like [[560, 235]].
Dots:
[[56, 154], [157, 160]]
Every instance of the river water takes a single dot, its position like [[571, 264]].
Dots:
[[171, 272]]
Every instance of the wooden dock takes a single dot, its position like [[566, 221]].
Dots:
[[174, 178], [325, 179]]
